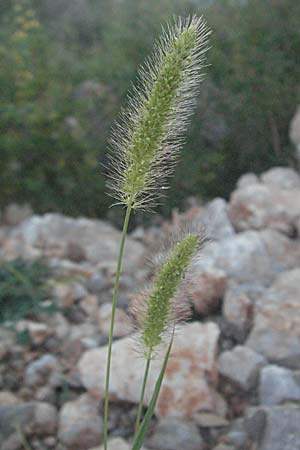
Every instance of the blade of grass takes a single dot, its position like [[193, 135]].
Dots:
[[138, 441], [140, 407]]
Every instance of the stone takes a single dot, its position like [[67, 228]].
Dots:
[[7, 398], [89, 305], [247, 179], [294, 132], [282, 178], [96, 283], [282, 431], [252, 257], [38, 332], [80, 424], [209, 420], [276, 330], [237, 438], [66, 294], [100, 241], [122, 326], [261, 206], [206, 289], [15, 214], [45, 419], [237, 311], [75, 253], [189, 379], [215, 220], [175, 434], [43, 371], [224, 447], [59, 325], [254, 423], [284, 253], [116, 444], [243, 258], [277, 385], [39, 419], [241, 366]]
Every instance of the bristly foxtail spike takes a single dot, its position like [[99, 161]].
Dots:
[[160, 307], [147, 139]]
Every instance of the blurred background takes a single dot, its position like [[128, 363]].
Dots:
[[66, 66]]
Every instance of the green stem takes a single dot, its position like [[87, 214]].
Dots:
[[113, 311], [138, 439], [140, 407]]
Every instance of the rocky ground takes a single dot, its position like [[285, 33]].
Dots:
[[233, 382]]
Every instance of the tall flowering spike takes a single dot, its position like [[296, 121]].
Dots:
[[160, 305], [147, 138]]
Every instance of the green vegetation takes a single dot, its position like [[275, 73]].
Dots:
[[23, 290], [66, 68], [148, 138]]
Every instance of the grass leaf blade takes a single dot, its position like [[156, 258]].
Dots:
[[138, 442]]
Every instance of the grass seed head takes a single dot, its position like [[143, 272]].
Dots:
[[160, 307], [149, 134]]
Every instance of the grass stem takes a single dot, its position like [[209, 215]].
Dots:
[[113, 311], [140, 407]]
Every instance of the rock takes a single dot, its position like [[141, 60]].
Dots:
[[67, 294], [241, 366], [44, 371], [206, 290], [190, 372], [96, 283], [38, 331], [254, 423], [224, 447], [86, 334], [247, 180], [116, 444], [59, 325], [7, 398], [89, 305], [207, 420], [261, 206], [15, 214], [237, 438], [99, 240], [175, 434], [276, 330], [237, 312], [283, 252], [282, 178], [122, 325], [282, 431], [38, 419], [45, 419], [277, 385], [216, 221], [252, 257], [80, 424], [294, 132], [75, 253]]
